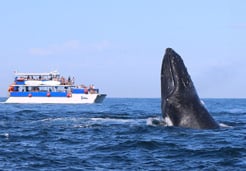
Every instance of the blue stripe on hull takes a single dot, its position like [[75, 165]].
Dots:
[[38, 94]]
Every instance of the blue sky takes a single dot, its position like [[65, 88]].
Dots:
[[119, 45]]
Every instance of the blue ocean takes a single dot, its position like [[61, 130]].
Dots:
[[119, 135]]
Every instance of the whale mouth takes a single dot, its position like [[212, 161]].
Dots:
[[168, 82]]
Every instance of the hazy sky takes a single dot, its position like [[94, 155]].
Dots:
[[118, 45]]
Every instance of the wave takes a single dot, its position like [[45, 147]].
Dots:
[[5, 135]]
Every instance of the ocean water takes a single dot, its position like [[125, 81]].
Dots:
[[119, 135]]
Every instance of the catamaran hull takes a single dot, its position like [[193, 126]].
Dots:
[[74, 99]]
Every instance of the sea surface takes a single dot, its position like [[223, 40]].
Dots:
[[119, 135]]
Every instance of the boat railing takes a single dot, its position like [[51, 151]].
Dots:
[[58, 93]]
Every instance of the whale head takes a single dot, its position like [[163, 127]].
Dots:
[[175, 79], [180, 103]]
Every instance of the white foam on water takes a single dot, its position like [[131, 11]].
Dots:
[[224, 125], [60, 119], [117, 120], [6, 135], [155, 121]]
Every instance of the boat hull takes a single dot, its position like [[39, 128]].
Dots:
[[74, 99]]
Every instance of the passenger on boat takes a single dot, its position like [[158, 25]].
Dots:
[[63, 80], [16, 88], [11, 88], [92, 89], [69, 80]]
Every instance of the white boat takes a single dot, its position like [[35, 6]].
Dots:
[[50, 88]]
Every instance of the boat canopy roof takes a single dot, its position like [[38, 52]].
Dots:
[[17, 85], [53, 73]]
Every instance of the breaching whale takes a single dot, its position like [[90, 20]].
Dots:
[[180, 103]]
